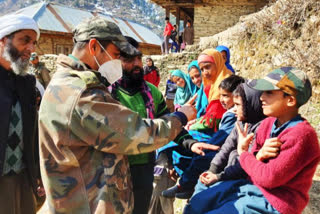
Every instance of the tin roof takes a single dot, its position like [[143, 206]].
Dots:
[[59, 18]]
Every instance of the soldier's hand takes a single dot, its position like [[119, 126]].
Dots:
[[189, 110]]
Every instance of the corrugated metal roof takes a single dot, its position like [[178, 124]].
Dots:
[[59, 18], [72, 17]]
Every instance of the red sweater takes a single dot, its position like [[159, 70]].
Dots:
[[167, 30], [152, 77], [286, 179]]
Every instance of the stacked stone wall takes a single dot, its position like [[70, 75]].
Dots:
[[210, 20]]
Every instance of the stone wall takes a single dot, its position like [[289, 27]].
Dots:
[[210, 20]]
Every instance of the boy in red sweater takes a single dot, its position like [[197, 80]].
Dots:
[[283, 159]]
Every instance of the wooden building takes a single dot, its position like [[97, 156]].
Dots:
[[210, 17], [57, 21]]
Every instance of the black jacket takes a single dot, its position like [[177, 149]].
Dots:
[[226, 162], [24, 87]]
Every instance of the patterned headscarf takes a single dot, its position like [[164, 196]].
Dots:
[[221, 74]]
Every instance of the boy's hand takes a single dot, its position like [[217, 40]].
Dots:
[[208, 178], [270, 149], [189, 110], [244, 139], [199, 147]]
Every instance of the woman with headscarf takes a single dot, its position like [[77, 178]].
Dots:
[[195, 75], [151, 72], [214, 71], [226, 56], [185, 88]]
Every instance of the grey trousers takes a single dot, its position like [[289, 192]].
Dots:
[[165, 45], [158, 203]]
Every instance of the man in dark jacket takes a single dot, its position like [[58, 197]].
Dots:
[[18, 149], [188, 34]]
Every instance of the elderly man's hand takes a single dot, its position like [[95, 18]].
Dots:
[[189, 110]]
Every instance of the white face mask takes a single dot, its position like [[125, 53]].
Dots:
[[111, 70]]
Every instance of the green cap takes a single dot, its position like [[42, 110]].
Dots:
[[101, 29], [290, 80]]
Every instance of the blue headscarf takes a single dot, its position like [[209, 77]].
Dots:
[[202, 100], [183, 94], [195, 64], [221, 48]]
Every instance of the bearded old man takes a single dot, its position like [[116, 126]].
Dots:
[[18, 149]]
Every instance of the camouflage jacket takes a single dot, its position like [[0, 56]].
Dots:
[[41, 73], [84, 136]]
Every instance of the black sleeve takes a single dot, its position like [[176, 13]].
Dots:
[[220, 160], [184, 138], [232, 173]]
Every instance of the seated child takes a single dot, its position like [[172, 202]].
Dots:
[[190, 175], [196, 77], [225, 165], [226, 56], [186, 89], [282, 161], [213, 71], [170, 93]]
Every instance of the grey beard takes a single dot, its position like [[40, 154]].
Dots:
[[18, 66]]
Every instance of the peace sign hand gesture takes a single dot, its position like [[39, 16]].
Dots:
[[244, 139]]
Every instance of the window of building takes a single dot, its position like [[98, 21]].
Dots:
[[64, 49]]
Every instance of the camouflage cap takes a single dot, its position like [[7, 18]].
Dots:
[[290, 80], [101, 29]]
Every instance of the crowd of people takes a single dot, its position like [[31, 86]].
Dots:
[[104, 139], [175, 41]]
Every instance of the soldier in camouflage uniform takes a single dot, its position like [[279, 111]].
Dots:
[[39, 70], [85, 134]]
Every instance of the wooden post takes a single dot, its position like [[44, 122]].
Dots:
[[185, 19], [168, 12], [178, 18]]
